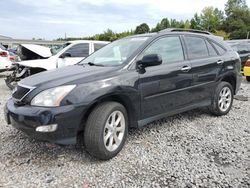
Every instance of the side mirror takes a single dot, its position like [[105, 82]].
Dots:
[[65, 54], [150, 60]]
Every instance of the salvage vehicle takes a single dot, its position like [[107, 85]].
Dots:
[[33, 51], [243, 49], [128, 83], [69, 54], [246, 70]]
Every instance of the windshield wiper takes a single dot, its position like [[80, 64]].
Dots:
[[93, 64]]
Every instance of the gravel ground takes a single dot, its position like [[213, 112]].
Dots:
[[193, 149]]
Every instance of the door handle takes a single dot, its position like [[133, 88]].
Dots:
[[185, 68], [220, 62]]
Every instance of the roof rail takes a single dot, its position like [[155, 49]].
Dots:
[[185, 30]]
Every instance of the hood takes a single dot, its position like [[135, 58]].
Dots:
[[39, 50], [75, 74], [46, 64]]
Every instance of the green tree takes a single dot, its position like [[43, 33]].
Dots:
[[211, 19], [143, 28], [237, 22], [234, 5], [164, 24], [195, 22]]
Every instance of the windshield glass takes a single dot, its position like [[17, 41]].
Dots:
[[54, 50], [115, 53]]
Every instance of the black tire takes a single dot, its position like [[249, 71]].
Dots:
[[214, 107], [248, 78], [95, 127]]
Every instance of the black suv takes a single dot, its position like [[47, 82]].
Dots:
[[243, 48], [128, 83]]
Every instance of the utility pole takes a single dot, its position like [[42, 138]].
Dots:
[[247, 34]]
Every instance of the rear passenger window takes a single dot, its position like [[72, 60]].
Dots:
[[98, 46], [196, 47], [79, 50], [219, 48], [211, 50], [169, 48]]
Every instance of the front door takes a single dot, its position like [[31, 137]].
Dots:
[[165, 88]]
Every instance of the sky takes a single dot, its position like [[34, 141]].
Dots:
[[51, 19]]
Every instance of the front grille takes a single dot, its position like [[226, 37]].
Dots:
[[20, 92]]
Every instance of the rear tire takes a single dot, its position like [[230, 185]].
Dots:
[[248, 78], [106, 130], [222, 100]]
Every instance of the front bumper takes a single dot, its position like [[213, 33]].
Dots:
[[246, 71], [27, 118]]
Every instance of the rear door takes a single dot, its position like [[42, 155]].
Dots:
[[206, 64], [78, 52], [165, 88]]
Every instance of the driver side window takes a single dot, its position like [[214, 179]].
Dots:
[[169, 48]]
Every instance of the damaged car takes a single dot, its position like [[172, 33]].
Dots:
[[33, 51], [127, 84], [69, 54]]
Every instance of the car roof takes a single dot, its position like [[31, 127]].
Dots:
[[173, 31], [87, 41]]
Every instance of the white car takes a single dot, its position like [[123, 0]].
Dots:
[[6, 60], [71, 53]]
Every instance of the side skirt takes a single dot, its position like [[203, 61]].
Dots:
[[144, 122]]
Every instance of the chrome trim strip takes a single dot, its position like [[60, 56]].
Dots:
[[25, 86]]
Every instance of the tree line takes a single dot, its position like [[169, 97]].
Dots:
[[232, 23]]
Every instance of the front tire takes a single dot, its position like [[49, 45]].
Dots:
[[222, 100], [248, 78], [106, 130]]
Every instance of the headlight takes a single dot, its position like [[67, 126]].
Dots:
[[52, 97]]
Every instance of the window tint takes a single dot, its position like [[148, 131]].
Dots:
[[211, 50], [196, 47], [79, 50], [219, 48], [169, 48], [98, 46]]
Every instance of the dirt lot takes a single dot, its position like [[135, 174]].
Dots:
[[188, 150]]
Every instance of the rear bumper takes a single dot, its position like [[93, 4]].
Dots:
[[246, 71], [28, 118]]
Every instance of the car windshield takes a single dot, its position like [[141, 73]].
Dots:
[[57, 49], [115, 53]]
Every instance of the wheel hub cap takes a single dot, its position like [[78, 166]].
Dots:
[[114, 130], [225, 99]]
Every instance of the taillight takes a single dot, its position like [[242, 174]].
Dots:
[[247, 64], [12, 58], [3, 54]]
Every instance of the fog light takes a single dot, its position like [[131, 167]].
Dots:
[[47, 128]]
